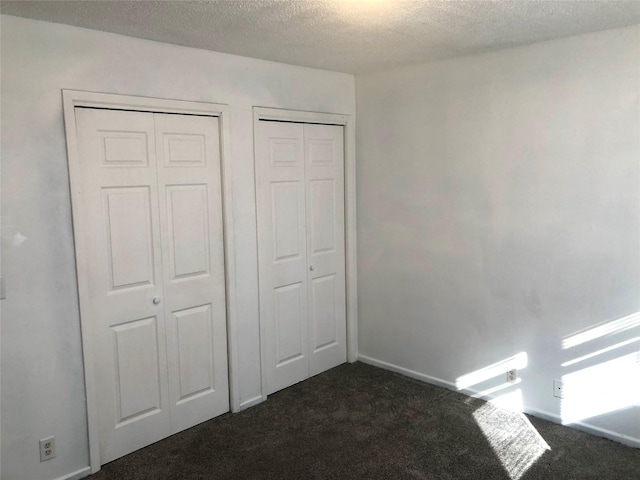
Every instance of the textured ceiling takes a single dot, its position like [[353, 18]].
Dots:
[[353, 36]]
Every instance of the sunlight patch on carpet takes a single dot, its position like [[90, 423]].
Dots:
[[513, 438]]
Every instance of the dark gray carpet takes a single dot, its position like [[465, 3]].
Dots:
[[361, 422]]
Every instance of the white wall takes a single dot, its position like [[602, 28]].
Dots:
[[499, 213], [42, 376]]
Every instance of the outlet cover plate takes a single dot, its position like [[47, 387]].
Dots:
[[558, 389], [47, 448]]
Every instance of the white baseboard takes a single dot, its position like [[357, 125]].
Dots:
[[585, 427], [251, 402], [83, 472], [407, 373]]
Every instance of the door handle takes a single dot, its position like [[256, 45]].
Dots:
[[156, 300], [312, 268]]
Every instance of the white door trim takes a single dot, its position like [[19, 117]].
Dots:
[[283, 115], [75, 98]]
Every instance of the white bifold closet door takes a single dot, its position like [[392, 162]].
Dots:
[[151, 214], [300, 200]]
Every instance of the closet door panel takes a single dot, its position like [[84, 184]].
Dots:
[[189, 181], [120, 223], [282, 251], [324, 178]]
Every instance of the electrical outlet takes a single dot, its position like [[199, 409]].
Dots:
[[558, 389], [47, 448], [512, 375]]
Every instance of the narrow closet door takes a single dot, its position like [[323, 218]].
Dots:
[[300, 202], [324, 178], [189, 184], [282, 245], [120, 216]]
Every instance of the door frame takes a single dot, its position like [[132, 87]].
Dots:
[[76, 98], [347, 122]]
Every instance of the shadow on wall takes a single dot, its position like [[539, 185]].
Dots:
[[602, 377]]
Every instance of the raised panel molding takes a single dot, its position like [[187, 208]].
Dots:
[[288, 314], [184, 150], [124, 149], [195, 352], [129, 237], [283, 152], [137, 368], [322, 215], [188, 212], [321, 152], [323, 312], [286, 203]]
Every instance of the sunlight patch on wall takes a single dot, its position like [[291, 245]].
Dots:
[[602, 330], [509, 401], [513, 438], [518, 361], [490, 391], [602, 388], [602, 351]]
